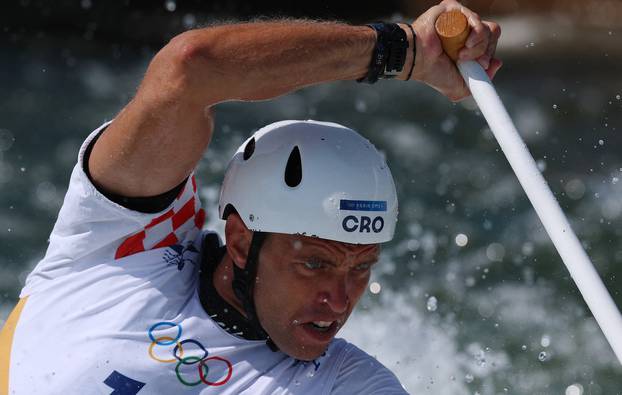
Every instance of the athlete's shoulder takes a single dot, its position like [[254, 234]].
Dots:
[[360, 373]]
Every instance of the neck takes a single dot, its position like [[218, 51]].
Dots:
[[223, 278]]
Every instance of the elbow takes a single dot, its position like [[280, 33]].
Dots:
[[188, 49], [184, 66]]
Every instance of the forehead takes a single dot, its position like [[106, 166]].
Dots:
[[297, 244]]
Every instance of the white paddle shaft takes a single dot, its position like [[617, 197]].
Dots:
[[568, 246]]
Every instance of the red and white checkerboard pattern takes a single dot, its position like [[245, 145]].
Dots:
[[168, 228]]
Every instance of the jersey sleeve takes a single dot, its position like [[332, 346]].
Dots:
[[361, 374], [93, 230]]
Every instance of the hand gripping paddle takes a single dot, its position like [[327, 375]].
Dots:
[[453, 29]]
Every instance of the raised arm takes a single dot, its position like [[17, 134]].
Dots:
[[156, 141], [158, 138]]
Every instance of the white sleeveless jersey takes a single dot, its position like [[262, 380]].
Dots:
[[113, 309]]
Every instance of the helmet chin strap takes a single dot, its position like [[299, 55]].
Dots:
[[243, 286]]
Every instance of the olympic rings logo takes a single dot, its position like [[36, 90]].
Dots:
[[184, 363]]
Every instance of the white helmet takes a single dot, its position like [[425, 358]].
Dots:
[[311, 178]]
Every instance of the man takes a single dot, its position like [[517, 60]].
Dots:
[[132, 297]]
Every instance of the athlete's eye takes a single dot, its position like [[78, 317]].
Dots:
[[363, 267], [313, 265]]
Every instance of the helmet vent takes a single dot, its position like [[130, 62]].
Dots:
[[293, 169], [249, 149]]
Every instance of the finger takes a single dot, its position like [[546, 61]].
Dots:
[[479, 32], [495, 33], [475, 52], [484, 61], [436, 11], [426, 34], [495, 29], [451, 5], [463, 94], [495, 65]]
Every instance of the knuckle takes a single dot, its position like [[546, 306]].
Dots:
[[496, 30]]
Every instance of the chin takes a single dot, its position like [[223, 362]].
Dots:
[[304, 341], [305, 353]]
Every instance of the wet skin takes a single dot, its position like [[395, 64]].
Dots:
[[300, 280]]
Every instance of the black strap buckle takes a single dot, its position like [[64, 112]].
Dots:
[[389, 53]]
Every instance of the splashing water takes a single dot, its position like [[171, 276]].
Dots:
[[432, 303]]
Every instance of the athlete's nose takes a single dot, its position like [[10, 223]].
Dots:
[[336, 294]]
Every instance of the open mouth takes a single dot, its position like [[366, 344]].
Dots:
[[322, 326], [321, 331]]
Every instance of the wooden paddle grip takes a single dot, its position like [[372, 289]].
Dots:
[[453, 29]]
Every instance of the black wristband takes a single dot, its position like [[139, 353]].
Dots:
[[412, 67], [389, 53], [378, 58]]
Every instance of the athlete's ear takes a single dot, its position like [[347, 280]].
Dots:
[[238, 239]]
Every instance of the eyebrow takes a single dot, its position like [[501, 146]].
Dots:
[[332, 264]]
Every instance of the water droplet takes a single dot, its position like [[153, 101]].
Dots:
[[601, 142], [360, 105], [480, 358], [189, 21], [170, 5], [574, 389], [295, 322], [469, 378], [495, 252], [618, 97], [545, 341], [527, 248], [543, 356], [432, 303], [461, 240], [46, 192], [615, 180], [523, 347], [575, 189], [6, 139], [554, 106], [375, 288]]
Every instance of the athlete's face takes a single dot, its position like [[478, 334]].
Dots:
[[306, 289]]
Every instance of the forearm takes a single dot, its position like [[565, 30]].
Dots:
[[262, 60]]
